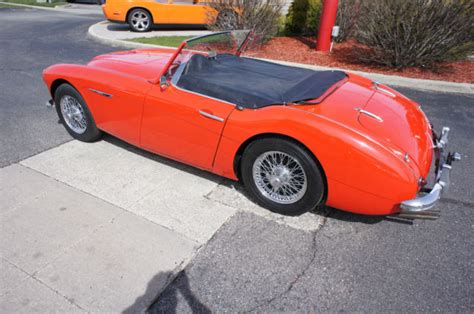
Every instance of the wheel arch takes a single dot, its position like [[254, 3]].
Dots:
[[143, 8], [58, 82], [246, 143]]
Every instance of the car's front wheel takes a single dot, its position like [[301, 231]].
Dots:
[[75, 115], [140, 20], [282, 176]]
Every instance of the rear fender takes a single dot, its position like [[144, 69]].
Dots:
[[354, 164]]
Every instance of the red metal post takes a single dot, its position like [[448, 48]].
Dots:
[[328, 18]]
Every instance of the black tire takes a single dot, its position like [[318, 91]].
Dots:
[[315, 186], [91, 133], [140, 28]]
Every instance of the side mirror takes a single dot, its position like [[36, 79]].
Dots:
[[164, 82]]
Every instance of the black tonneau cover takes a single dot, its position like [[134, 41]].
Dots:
[[252, 83]]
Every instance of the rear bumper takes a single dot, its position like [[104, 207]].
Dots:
[[116, 15], [421, 206]]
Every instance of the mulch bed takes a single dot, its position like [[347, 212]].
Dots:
[[302, 50]]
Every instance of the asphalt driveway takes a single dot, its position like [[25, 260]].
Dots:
[[350, 263], [30, 41]]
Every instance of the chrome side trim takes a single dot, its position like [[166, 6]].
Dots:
[[420, 207], [383, 90], [370, 114], [210, 116], [100, 93]]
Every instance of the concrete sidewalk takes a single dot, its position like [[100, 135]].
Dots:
[[105, 227], [64, 250]]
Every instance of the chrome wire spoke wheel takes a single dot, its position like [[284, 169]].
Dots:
[[279, 177], [73, 114], [140, 21]]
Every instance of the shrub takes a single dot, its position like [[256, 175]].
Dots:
[[303, 17], [419, 33], [347, 14], [261, 15]]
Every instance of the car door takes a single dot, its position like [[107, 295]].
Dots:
[[182, 125], [159, 11], [186, 12]]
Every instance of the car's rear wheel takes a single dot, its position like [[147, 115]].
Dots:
[[140, 20], [75, 115], [282, 176]]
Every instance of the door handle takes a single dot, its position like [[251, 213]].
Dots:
[[210, 116]]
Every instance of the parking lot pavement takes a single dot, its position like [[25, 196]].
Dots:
[[352, 264], [63, 250], [32, 40]]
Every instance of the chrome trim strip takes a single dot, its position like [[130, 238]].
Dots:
[[370, 114], [100, 93], [211, 116], [383, 90]]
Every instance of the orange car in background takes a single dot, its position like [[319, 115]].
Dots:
[[141, 15]]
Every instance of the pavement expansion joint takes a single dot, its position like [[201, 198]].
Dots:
[[32, 276]]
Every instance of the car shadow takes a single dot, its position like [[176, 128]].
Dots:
[[169, 294], [329, 212]]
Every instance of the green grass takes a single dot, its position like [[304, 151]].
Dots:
[[171, 41], [33, 2]]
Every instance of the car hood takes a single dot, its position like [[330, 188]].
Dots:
[[143, 63], [402, 126]]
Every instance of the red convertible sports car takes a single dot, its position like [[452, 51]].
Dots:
[[295, 137]]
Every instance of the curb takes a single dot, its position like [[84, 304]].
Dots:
[[92, 34], [393, 80]]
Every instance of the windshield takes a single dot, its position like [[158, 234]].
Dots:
[[228, 42], [222, 42]]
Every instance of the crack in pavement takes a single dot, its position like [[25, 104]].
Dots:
[[326, 215], [458, 202]]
